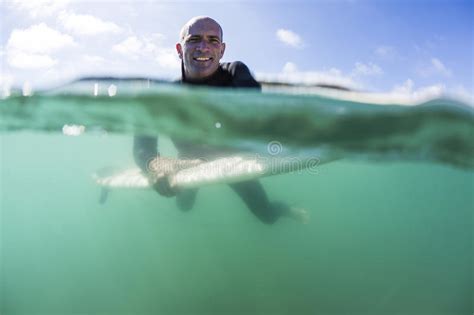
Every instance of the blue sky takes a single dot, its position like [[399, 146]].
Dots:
[[381, 46]]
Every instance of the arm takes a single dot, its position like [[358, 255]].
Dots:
[[241, 76], [145, 149], [156, 168], [147, 158]]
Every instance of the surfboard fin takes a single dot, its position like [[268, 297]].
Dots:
[[104, 195]]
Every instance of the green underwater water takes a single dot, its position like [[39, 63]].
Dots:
[[389, 237], [390, 229]]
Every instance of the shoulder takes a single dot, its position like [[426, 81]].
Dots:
[[241, 75], [235, 68]]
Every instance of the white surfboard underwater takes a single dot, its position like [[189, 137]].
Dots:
[[220, 171], [225, 170]]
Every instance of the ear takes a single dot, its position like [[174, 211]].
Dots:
[[179, 49], [222, 49]]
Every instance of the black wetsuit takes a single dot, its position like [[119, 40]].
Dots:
[[229, 75]]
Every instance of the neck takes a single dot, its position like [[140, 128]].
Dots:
[[185, 78]]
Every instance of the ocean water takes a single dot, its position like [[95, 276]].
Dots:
[[390, 228]]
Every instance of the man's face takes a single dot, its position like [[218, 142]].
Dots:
[[201, 49]]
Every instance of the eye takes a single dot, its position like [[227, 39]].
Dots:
[[193, 40]]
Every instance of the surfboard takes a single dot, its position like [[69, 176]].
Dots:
[[220, 171]]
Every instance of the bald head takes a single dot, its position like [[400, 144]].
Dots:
[[200, 48], [199, 20]]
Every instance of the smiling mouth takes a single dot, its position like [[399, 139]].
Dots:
[[202, 59]]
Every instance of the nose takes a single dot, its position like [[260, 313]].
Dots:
[[202, 46]]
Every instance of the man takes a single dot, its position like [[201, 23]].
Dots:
[[200, 49]]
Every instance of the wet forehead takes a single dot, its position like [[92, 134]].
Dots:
[[204, 28]]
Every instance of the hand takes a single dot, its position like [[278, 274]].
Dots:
[[161, 168], [163, 187]]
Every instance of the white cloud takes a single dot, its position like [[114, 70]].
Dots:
[[434, 68], [434, 90], [131, 47], [361, 69], [404, 94], [38, 8], [290, 74], [31, 48], [289, 67], [66, 72], [148, 47], [440, 67], [24, 60], [289, 38], [96, 60], [385, 52], [85, 24], [353, 80], [462, 93], [407, 89], [38, 39], [167, 58]]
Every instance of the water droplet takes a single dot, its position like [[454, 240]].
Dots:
[[112, 90]]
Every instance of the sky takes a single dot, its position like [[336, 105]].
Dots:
[[389, 46]]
